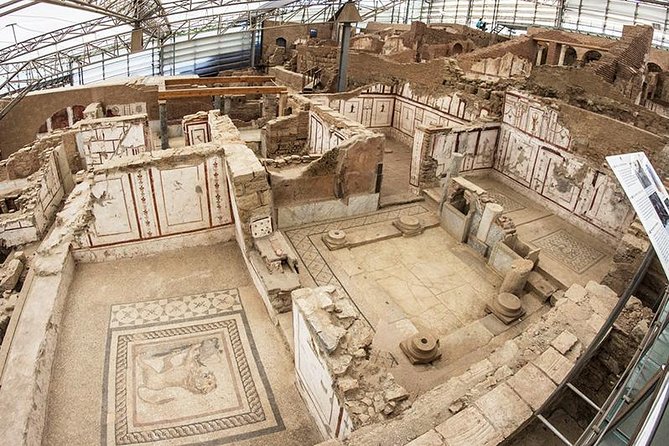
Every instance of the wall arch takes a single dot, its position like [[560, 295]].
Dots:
[[653, 67], [570, 57], [591, 56], [63, 118]]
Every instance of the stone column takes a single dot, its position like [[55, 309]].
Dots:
[[563, 53], [70, 116], [490, 213], [283, 101], [162, 112], [218, 103], [227, 105], [516, 278], [540, 55], [452, 171]]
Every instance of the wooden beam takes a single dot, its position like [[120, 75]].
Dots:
[[216, 80], [219, 91]]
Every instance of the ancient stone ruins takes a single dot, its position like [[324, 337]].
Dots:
[[389, 234]]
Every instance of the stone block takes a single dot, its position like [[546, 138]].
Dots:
[[469, 427], [455, 222], [10, 274], [540, 286], [504, 408], [429, 438], [602, 291], [553, 364], [501, 258], [505, 354], [576, 293], [533, 386], [477, 245], [573, 312], [564, 342]]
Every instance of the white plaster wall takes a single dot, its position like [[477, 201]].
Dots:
[[101, 140], [158, 201], [477, 144], [400, 108], [315, 383], [289, 216], [50, 195], [322, 136], [134, 108]]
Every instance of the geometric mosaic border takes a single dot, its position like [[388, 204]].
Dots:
[[174, 309], [188, 315], [562, 246], [256, 414]]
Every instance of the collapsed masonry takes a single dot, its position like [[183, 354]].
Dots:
[[364, 388], [496, 396]]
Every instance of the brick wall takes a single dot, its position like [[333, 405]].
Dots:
[[310, 56], [286, 135], [624, 64], [291, 32], [523, 47], [285, 77]]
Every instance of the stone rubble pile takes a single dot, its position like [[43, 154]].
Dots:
[[364, 387], [12, 273], [282, 161], [497, 395]]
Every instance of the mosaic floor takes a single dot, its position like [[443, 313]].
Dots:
[[509, 204], [185, 371], [564, 247]]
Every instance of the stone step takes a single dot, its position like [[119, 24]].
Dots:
[[542, 287], [550, 277], [432, 195], [394, 200]]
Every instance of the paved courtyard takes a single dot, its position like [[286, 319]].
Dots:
[[178, 351]]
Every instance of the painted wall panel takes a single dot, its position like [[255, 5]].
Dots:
[[152, 202], [180, 194]]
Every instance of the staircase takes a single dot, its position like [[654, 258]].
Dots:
[[311, 79]]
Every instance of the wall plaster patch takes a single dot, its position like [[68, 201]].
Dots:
[[565, 248], [185, 371]]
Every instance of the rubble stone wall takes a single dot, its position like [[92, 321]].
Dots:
[[250, 193], [39, 197]]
